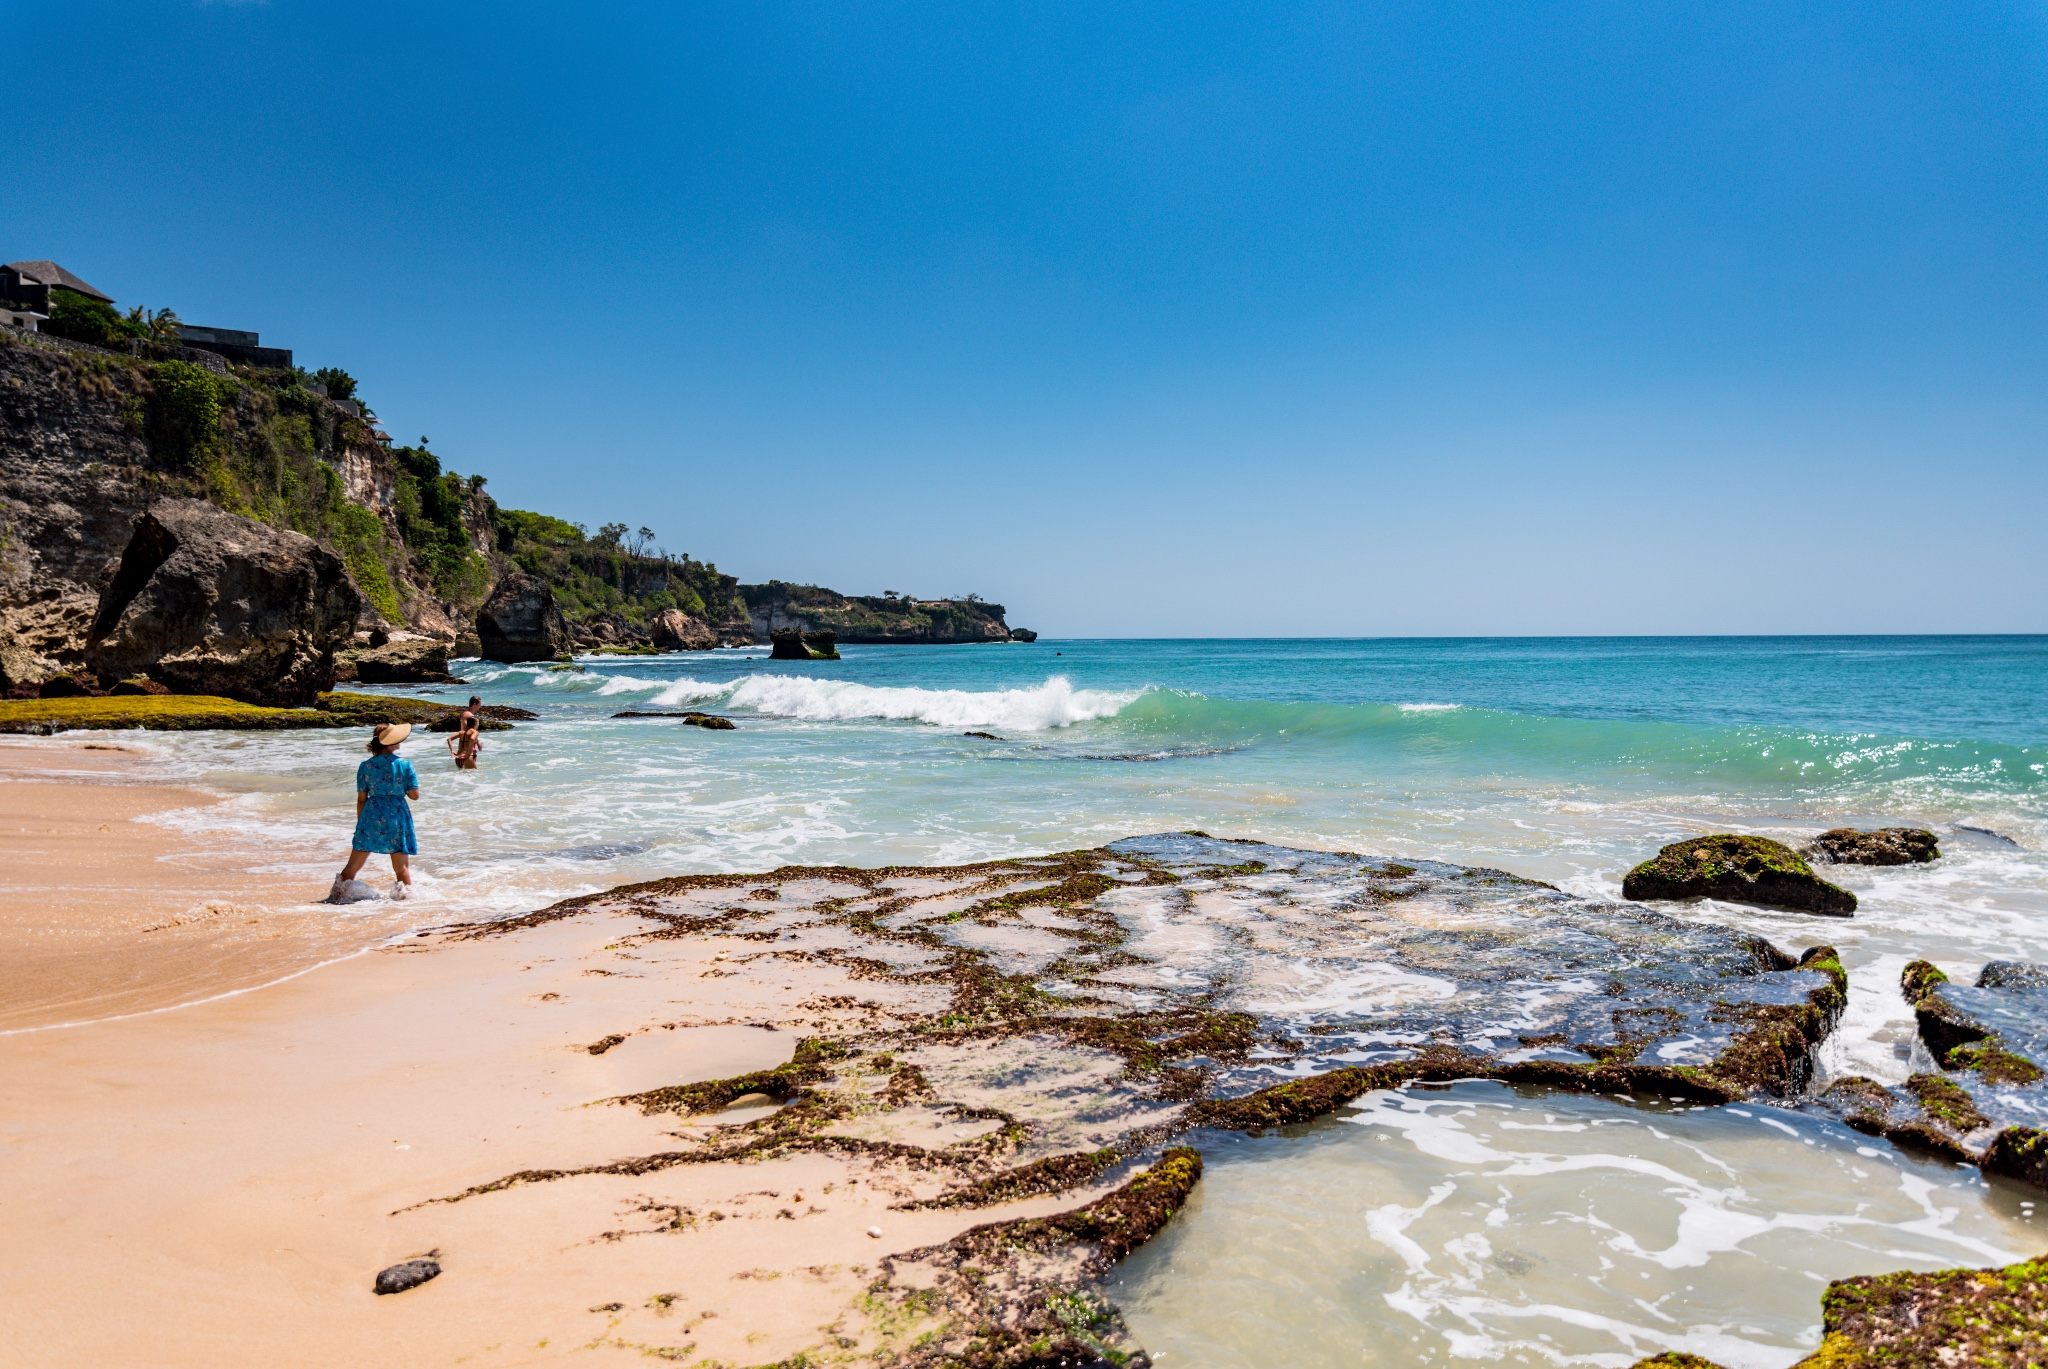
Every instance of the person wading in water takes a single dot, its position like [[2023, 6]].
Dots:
[[384, 783], [467, 744]]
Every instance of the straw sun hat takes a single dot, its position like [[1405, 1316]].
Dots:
[[391, 734]]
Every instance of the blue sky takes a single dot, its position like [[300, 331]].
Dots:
[[1179, 320]]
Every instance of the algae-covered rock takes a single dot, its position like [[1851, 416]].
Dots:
[[1987, 1103], [1981, 1318], [1741, 869], [1885, 846], [138, 685], [167, 713]]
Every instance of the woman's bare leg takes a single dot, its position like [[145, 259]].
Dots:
[[355, 864], [401, 865]]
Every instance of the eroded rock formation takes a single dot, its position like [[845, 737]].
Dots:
[[674, 630], [520, 621], [208, 602]]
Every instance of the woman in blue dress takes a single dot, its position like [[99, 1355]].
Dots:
[[383, 818]]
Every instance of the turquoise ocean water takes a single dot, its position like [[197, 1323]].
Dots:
[[1564, 760]]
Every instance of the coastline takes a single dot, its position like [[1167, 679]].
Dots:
[[203, 1167]]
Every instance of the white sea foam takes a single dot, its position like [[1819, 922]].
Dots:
[[629, 684], [1056, 703], [1429, 708]]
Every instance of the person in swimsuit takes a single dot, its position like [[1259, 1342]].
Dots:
[[467, 744], [471, 714], [384, 783]]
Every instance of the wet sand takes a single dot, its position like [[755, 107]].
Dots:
[[105, 913]]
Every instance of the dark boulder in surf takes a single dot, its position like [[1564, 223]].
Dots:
[[789, 644], [1885, 846], [1741, 869], [520, 621]]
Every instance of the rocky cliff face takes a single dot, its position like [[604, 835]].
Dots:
[[74, 474], [90, 438], [873, 619]]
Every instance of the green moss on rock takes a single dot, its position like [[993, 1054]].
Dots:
[[159, 712], [1885, 846], [1920, 979], [1945, 1102], [1742, 869]]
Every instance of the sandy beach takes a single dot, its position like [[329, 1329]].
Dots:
[[105, 913], [220, 1183]]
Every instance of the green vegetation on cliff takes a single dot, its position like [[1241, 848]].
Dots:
[[614, 572]]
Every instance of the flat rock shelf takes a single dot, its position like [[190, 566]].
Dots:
[[1049, 1031]]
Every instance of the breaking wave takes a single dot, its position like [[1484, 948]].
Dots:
[[1056, 703]]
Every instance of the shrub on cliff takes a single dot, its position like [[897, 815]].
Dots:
[[184, 414]]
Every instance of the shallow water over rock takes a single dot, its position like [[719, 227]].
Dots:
[[1474, 1222]]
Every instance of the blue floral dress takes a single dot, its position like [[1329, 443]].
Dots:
[[385, 824]]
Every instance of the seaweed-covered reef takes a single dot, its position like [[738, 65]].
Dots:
[[1988, 1105], [1045, 1029], [1956, 1317]]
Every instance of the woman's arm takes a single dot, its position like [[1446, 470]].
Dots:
[[413, 794], [361, 799]]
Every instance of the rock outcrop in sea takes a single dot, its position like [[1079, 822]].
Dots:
[[1741, 869], [1885, 846], [520, 621], [1988, 1103]]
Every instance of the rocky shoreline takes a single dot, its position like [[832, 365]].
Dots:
[[1123, 974]]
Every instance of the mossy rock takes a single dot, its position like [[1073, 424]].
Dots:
[[157, 712], [1885, 846], [1741, 869], [1989, 1318]]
